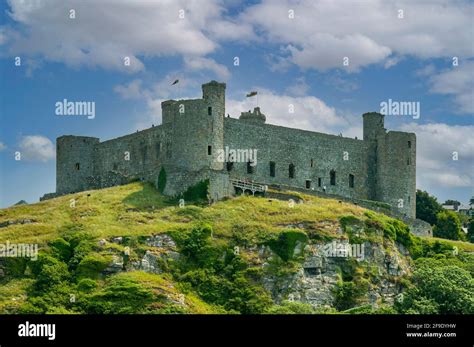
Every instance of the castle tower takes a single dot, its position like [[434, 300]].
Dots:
[[391, 165], [74, 162], [213, 94]]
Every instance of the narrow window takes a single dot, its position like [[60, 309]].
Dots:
[[209, 150], [312, 163], [408, 198], [308, 184], [272, 169], [229, 165], [291, 171], [409, 144], [351, 181], [77, 166], [209, 111], [319, 181], [250, 167], [333, 177], [408, 161]]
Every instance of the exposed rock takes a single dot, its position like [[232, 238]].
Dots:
[[115, 266], [162, 241]]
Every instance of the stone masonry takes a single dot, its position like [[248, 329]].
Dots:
[[380, 167]]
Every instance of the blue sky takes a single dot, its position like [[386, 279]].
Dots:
[[298, 60]]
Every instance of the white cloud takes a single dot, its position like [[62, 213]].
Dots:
[[435, 146], [201, 63], [459, 82], [36, 148], [310, 113], [105, 32], [299, 88], [2, 146], [368, 32]]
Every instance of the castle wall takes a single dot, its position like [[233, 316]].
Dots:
[[286, 146], [74, 162], [380, 167]]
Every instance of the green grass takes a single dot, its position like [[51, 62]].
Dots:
[[138, 209]]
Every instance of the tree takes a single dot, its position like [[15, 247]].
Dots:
[[471, 201], [162, 180], [448, 226], [470, 231], [427, 207]]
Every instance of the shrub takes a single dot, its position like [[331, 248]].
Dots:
[[162, 180], [92, 265], [197, 192], [284, 245]]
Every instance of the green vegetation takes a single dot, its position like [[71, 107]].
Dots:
[[427, 207], [162, 180], [448, 226], [218, 269]]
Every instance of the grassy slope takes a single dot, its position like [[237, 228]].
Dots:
[[138, 209]]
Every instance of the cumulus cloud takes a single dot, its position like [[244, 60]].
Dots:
[[367, 32], [201, 63], [459, 82], [105, 32], [309, 112], [36, 148], [437, 145]]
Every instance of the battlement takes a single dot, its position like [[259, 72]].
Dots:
[[194, 132]]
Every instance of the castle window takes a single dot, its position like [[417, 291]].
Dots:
[[250, 167], [77, 166], [333, 177], [408, 161], [291, 171], [308, 184], [158, 149], [408, 198], [409, 144], [312, 163], [209, 111], [272, 169], [319, 181], [229, 165], [209, 150], [351, 181]]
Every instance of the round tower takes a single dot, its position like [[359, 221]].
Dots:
[[213, 94]]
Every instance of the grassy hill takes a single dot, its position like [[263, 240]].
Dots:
[[101, 252]]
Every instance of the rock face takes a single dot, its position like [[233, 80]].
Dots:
[[156, 260], [318, 269], [314, 282]]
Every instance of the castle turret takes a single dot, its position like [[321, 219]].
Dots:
[[255, 117], [391, 166], [75, 158], [213, 94]]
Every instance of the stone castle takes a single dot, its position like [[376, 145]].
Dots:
[[194, 133]]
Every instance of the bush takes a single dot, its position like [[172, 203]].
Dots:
[[439, 287], [448, 226], [162, 180], [119, 296], [197, 192], [92, 265], [284, 245]]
